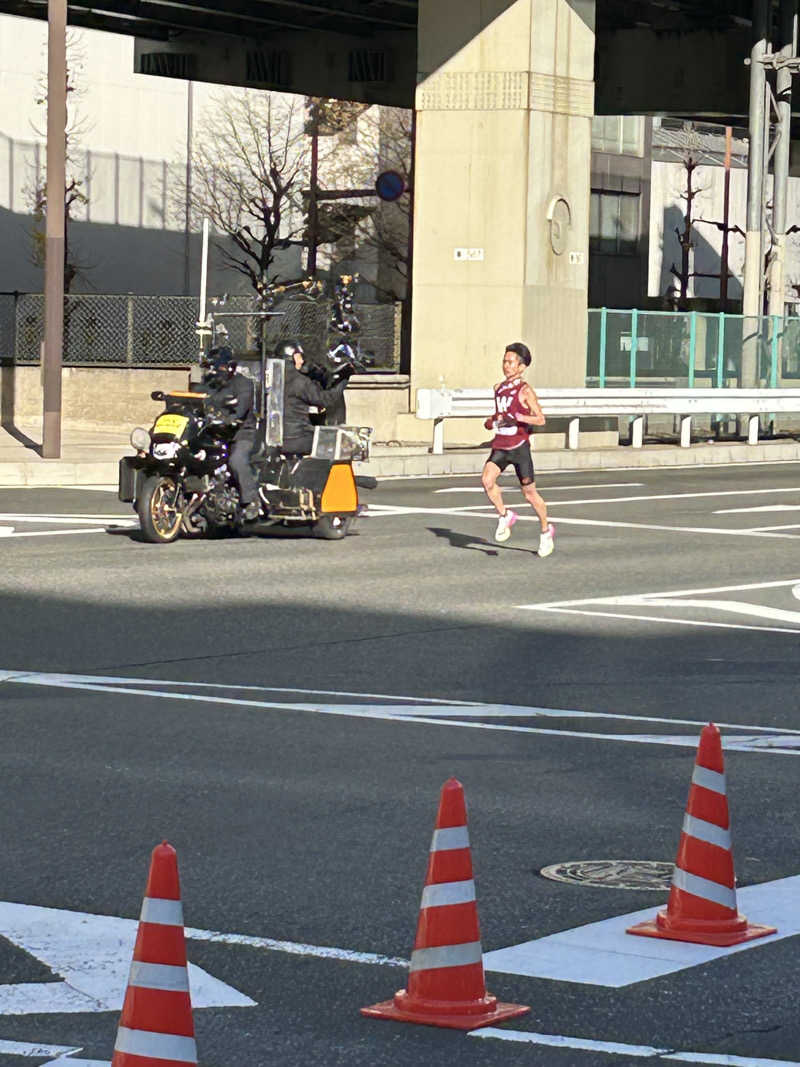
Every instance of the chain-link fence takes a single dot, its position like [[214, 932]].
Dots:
[[153, 331]]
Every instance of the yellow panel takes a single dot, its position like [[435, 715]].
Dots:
[[340, 495], [171, 424]]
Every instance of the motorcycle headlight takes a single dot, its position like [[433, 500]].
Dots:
[[140, 439]]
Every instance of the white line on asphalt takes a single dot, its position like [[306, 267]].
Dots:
[[19, 1048], [635, 598], [367, 711], [67, 519], [295, 948], [58, 533], [735, 607], [603, 954], [6, 531], [769, 529], [763, 507], [670, 621], [544, 488], [614, 1048], [68, 1061], [715, 530], [10, 676], [678, 496]]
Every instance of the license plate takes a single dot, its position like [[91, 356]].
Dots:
[[174, 425]]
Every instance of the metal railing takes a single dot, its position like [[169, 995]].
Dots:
[[152, 331], [689, 349]]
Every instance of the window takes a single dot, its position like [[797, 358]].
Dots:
[[614, 223], [620, 135]]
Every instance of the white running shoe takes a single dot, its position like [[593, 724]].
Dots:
[[547, 541], [504, 524]]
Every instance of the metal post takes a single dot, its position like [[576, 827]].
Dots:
[[634, 345], [601, 371], [726, 215], [692, 346], [187, 223], [753, 264], [783, 96], [54, 227], [777, 324], [720, 349], [313, 222]]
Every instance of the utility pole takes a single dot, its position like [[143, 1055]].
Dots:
[[783, 100], [726, 214], [187, 222], [313, 192], [753, 255], [54, 227]]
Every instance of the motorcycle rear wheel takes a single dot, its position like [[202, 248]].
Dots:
[[159, 508], [331, 527]]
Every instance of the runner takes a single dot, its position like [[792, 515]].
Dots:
[[516, 409]]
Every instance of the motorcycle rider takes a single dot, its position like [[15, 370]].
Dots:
[[224, 386], [302, 392]]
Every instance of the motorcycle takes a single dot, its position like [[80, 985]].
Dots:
[[180, 483]]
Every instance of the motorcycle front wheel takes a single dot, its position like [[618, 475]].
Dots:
[[159, 507]]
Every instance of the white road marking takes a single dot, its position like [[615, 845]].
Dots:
[[69, 520], [19, 1048], [59, 533], [717, 531], [593, 606], [92, 954], [6, 531], [763, 507], [68, 1061], [679, 496], [544, 488], [403, 714], [614, 1048], [603, 954], [294, 948]]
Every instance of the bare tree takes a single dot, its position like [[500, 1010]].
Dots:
[[74, 190], [248, 168]]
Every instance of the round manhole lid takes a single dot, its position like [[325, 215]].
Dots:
[[613, 874]]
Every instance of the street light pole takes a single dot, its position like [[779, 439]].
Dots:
[[783, 97], [54, 227]]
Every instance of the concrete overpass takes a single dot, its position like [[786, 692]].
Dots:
[[504, 92]]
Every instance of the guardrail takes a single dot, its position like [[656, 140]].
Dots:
[[574, 404]]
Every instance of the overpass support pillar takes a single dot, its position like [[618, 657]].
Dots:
[[504, 102]]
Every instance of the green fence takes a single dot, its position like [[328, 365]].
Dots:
[[691, 349]]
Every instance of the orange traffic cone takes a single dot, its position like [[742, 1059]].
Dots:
[[702, 901], [156, 1028], [445, 984]]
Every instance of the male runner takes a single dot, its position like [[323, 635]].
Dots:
[[516, 409]]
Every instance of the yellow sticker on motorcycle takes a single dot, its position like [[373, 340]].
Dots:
[[171, 424]]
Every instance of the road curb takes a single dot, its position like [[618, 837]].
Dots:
[[407, 464]]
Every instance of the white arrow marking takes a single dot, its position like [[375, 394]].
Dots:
[[603, 954], [92, 953]]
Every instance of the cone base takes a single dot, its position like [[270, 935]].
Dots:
[[388, 1010], [719, 939]]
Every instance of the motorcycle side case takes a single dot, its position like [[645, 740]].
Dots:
[[130, 468]]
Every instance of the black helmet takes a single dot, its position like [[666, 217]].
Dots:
[[286, 349], [218, 366]]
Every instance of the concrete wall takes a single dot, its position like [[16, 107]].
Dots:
[[119, 397]]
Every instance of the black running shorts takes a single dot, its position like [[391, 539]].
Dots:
[[521, 459]]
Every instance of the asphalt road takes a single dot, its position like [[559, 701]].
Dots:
[[302, 805]]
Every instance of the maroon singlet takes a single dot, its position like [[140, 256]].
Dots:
[[507, 402]]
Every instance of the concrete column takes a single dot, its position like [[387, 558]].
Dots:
[[504, 104]]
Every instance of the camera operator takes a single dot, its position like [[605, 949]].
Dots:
[[301, 392]]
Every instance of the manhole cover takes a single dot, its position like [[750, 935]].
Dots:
[[613, 874]]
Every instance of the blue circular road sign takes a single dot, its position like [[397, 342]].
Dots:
[[390, 185]]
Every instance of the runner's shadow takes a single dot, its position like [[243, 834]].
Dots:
[[477, 544]]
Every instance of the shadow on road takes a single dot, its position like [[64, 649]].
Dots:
[[478, 544]]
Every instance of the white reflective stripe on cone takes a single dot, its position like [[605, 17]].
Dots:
[[706, 831], [703, 888], [444, 893], [428, 959], [711, 780], [162, 912], [156, 1046], [159, 976], [450, 838]]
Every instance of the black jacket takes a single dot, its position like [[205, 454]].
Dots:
[[242, 388], [299, 394]]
